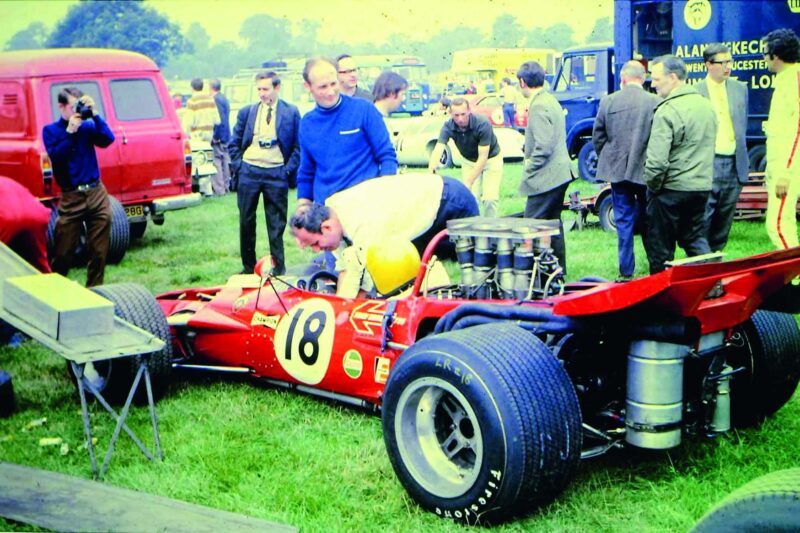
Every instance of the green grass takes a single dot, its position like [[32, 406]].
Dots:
[[241, 447]]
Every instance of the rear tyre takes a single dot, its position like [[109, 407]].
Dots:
[[758, 158], [768, 503], [120, 236], [768, 347], [113, 377], [587, 163], [605, 210], [481, 424]]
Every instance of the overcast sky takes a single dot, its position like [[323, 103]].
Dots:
[[346, 20]]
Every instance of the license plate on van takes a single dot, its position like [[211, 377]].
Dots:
[[134, 211]]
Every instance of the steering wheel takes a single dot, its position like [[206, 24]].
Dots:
[[316, 282]]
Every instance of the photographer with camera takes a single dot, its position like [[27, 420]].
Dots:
[[70, 142], [265, 154]]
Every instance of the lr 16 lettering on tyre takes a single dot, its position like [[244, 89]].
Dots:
[[481, 424]]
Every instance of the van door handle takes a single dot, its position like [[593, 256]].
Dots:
[[175, 136]]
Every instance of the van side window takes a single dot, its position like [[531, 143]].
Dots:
[[87, 87], [12, 119], [135, 99]]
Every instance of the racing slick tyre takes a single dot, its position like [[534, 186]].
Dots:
[[120, 236], [113, 377], [768, 503], [137, 229], [587, 163], [481, 424], [768, 347], [605, 211]]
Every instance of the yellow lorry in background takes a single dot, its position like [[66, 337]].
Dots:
[[486, 67]]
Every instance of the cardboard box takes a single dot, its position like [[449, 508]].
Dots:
[[58, 307]]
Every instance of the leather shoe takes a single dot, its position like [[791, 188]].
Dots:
[[277, 271]]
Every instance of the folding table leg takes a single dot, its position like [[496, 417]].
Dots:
[[151, 405], [121, 421], [77, 370]]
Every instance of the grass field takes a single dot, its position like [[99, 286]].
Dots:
[[241, 447]]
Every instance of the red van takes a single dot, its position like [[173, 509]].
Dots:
[[147, 169]]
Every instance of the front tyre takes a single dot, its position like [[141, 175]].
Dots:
[[481, 424], [113, 377]]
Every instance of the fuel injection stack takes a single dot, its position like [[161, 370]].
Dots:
[[506, 258]]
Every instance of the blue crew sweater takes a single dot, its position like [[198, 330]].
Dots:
[[72, 154], [342, 146]]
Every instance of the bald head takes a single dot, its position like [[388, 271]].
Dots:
[[632, 71]]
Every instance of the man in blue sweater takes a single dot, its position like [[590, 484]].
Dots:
[[343, 140]]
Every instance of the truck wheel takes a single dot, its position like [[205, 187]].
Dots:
[[120, 236], [587, 163], [481, 424], [768, 503], [605, 210], [758, 158], [113, 377], [768, 347], [137, 229]]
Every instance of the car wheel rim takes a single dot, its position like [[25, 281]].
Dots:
[[438, 437]]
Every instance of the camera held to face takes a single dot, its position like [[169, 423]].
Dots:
[[84, 110]]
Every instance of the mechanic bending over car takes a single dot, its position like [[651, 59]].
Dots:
[[414, 207], [482, 168]]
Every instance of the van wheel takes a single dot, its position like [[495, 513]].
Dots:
[[113, 377], [120, 236], [768, 347], [481, 424], [758, 158], [137, 229], [768, 503]]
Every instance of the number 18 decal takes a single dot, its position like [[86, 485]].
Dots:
[[304, 340]]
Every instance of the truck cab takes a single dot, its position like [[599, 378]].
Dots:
[[586, 75]]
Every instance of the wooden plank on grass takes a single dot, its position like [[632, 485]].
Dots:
[[65, 503]]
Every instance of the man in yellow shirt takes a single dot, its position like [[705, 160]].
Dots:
[[782, 53], [730, 100]]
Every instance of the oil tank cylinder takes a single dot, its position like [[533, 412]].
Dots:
[[654, 405]]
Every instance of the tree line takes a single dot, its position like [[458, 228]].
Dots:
[[135, 26]]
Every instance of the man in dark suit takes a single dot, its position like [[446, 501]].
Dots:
[[545, 169], [620, 134], [731, 163], [265, 154], [220, 140]]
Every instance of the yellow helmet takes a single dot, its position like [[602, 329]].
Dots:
[[392, 263]]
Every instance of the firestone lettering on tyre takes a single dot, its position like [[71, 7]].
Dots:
[[471, 514]]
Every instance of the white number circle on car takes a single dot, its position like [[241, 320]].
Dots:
[[304, 340]]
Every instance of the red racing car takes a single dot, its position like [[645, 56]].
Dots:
[[492, 389]]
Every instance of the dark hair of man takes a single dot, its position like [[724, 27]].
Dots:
[[388, 84], [66, 92], [310, 217], [339, 58], [215, 85], [269, 75], [313, 62], [197, 84], [672, 65], [783, 44], [532, 74], [459, 101], [445, 101], [713, 49]]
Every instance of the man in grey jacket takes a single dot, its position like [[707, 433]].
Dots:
[[620, 134], [731, 163], [545, 171], [678, 166]]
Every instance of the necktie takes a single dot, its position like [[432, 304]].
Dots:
[[269, 114]]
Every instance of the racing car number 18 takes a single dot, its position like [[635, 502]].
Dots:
[[304, 340]]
